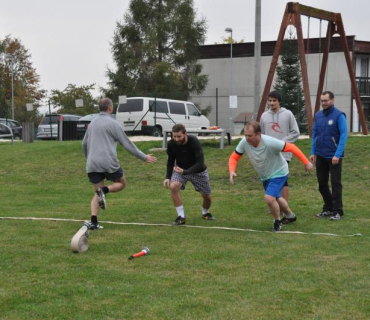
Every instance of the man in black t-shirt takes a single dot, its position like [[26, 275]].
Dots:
[[186, 163]]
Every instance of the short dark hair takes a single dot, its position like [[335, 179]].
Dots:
[[331, 94], [275, 94], [255, 125], [104, 104], [179, 128]]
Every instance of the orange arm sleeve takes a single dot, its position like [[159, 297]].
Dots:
[[233, 161], [290, 147]]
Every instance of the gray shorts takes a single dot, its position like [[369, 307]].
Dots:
[[199, 180]]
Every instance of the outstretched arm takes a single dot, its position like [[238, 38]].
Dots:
[[233, 163], [290, 147]]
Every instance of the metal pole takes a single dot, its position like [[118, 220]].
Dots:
[[216, 106], [257, 60], [231, 82], [51, 128], [12, 70]]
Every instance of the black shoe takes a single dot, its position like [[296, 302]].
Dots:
[[277, 226], [179, 221], [92, 226], [325, 213], [208, 216], [286, 220], [336, 217], [101, 198]]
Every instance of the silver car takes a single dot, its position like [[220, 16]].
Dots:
[[48, 127]]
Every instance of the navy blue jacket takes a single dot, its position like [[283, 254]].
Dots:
[[329, 133]]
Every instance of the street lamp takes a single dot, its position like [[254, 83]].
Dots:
[[11, 62], [230, 30]]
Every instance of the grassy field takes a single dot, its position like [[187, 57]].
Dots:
[[191, 273]]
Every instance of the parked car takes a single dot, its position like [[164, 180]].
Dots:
[[14, 125], [43, 131], [84, 122], [159, 116]]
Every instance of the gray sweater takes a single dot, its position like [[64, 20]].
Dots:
[[281, 125], [100, 144]]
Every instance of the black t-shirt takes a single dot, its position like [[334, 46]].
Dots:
[[188, 156]]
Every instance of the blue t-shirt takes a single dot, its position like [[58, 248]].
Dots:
[[266, 158]]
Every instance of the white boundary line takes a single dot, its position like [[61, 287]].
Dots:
[[184, 226]]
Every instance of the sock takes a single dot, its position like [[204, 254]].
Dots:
[[105, 190], [180, 211], [205, 211], [290, 215], [94, 219]]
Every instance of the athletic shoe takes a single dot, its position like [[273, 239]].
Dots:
[[101, 198], [179, 221], [286, 220], [277, 226], [208, 216], [92, 226], [336, 217], [324, 214]]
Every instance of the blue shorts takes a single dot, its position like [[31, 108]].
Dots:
[[274, 186], [96, 177]]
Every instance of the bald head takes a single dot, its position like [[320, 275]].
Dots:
[[104, 104]]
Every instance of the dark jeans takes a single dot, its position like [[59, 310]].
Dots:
[[332, 199]]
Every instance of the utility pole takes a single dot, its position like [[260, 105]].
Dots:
[[257, 60]]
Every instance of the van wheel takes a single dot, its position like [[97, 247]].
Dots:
[[157, 132]]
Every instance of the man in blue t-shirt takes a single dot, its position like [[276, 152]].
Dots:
[[329, 137]]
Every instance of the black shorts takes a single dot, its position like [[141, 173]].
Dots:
[[96, 177]]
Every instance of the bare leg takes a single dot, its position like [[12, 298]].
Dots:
[[273, 206], [285, 193], [116, 186], [284, 206], [175, 193], [207, 200]]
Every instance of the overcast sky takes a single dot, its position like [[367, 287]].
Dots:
[[69, 39]]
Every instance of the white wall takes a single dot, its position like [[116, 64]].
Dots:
[[338, 81]]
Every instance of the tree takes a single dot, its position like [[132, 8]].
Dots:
[[156, 50], [228, 40], [16, 61], [289, 79], [66, 100]]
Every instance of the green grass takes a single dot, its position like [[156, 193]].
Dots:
[[191, 273]]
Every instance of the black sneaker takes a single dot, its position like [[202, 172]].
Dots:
[[92, 226], [179, 221], [277, 226], [101, 198], [286, 220], [336, 217], [208, 216], [325, 213]]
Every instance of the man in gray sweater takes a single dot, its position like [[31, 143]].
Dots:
[[100, 149], [281, 124]]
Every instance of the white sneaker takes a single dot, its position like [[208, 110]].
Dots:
[[101, 198], [337, 216]]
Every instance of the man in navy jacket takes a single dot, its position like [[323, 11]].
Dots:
[[329, 139]]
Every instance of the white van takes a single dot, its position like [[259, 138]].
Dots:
[[143, 115]]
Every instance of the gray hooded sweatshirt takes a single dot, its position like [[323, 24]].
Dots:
[[281, 125], [100, 144]]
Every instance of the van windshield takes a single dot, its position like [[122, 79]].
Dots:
[[46, 119], [132, 105]]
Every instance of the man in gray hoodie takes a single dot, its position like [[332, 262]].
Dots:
[[281, 124], [100, 149]]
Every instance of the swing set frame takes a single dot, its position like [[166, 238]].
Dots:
[[292, 16]]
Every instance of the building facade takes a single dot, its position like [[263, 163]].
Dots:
[[235, 77]]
